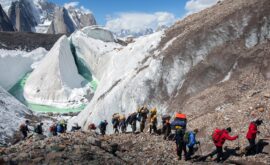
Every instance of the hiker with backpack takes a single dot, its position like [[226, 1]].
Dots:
[[180, 142], [166, 126], [92, 127], [251, 136], [122, 124], [132, 120], [24, 128], [153, 120], [115, 122], [190, 139], [52, 130], [179, 125], [102, 127], [219, 137], [38, 129], [142, 112]]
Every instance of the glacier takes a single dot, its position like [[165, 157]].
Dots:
[[25, 62], [12, 113], [56, 81]]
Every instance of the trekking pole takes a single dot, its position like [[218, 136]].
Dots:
[[200, 148]]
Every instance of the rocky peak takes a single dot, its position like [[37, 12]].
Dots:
[[5, 23], [22, 16], [62, 23]]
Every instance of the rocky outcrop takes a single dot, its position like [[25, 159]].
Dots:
[[22, 16], [90, 148], [5, 23], [62, 23], [27, 41], [81, 19]]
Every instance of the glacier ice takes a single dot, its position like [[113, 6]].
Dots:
[[56, 81], [12, 113], [14, 64]]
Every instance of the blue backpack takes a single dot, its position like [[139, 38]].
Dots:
[[59, 128], [179, 122]]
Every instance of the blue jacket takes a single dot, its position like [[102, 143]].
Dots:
[[191, 139]]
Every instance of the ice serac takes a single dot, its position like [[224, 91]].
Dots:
[[10, 75], [5, 23], [22, 15], [196, 53], [12, 113], [56, 81], [62, 23], [91, 47]]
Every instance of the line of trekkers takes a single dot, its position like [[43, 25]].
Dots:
[[176, 130]]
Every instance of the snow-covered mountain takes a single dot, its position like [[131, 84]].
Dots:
[[39, 15], [5, 23]]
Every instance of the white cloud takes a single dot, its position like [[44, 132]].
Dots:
[[71, 4], [137, 22], [194, 6], [75, 4]]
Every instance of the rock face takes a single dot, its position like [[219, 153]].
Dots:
[[61, 23], [56, 81], [81, 18], [12, 113], [5, 23], [22, 16], [202, 51]]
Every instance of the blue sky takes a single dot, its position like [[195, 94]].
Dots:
[[104, 8], [136, 15]]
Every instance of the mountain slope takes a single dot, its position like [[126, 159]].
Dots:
[[5, 23], [194, 54], [12, 113]]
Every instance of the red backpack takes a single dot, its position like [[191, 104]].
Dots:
[[217, 135]]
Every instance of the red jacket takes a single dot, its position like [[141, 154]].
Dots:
[[252, 131], [225, 136]]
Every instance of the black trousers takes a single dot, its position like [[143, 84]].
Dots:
[[153, 127], [181, 146], [24, 134], [251, 149], [142, 125], [190, 151], [219, 153]]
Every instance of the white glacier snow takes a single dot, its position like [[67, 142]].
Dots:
[[56, 81], [12, 114], [115, 89], [10, 74]]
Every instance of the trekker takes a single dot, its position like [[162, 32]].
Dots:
[[143, 111], [153, 120], [190, 139], [219, 137], [102, 127], [24, 128], [92, 127], [115, 122], [132, 120], [122, 123], [251, 136], [166, 126], [76, 127], [61, 126], [38, 129], [180, 143], [52, 130]]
